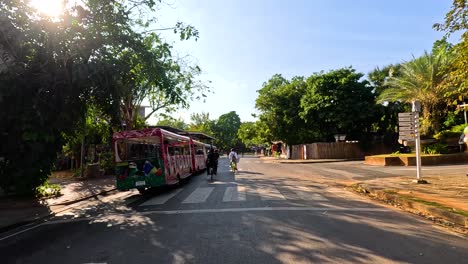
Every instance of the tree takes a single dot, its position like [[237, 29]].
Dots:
[[254, 134], [457, 20], [247, 133], [424, 79], [386, 115], [201, 123], [52, 69], [225, 130], [175, 123], [337, 102], [279, 103]]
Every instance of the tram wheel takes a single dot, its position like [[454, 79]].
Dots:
[[142, 190]]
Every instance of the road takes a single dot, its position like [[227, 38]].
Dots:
[[266, 213]]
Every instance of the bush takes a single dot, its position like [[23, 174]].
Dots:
[[47, 190], [436, 148], [106, 161]]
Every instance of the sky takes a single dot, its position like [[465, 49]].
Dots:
[[245, 42]]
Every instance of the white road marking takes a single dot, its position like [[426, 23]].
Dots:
[[305, 193], [259, 209], [161, 199], [269, 193], [222, 183], [234, 194], [340, 172], [199, 195]]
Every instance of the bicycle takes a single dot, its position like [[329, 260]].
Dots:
[[233, 167], [210, 172]]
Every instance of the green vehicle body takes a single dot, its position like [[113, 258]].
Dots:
[[128, 178]]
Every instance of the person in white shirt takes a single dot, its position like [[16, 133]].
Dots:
[[233, 158]]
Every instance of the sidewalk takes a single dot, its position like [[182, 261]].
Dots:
[[282, 160], [444, 198], [15, 212]]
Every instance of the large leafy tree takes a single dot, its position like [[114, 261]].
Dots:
[[172, 122], [254, 134], [247, 133], [338, 102], [386, 115], [201, 123], [50, 70], [424, 79], [279, 104], [225, 130], [456, 20]]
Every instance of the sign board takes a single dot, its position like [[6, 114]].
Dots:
[[407, 138], [410, 114], [403, 124], [408, 128], [405, 119]]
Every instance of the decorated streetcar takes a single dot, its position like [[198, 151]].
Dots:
[[155, 157]]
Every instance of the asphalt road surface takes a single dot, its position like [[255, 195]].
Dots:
[[266, 213]]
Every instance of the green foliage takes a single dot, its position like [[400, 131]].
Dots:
[[386, 115], [301, 111], [423, 79], [458, 128], [453, 132], [225, 130], [201, 123], [453, 118], [106, 161], [446, 134], [378, 76], [98, 53], [175, 123], [456, 19], [337, 102], [437, 148], [47, 190], [279, 104], [247, 133]]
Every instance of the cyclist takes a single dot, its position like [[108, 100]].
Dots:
[[212, 161], [233, 158]]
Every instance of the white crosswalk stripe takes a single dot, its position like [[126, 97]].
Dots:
[[234, 194], [240, 193], [199, 195], [268, 193], [161, 199], [305, 193]]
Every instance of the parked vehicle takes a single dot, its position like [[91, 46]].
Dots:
[[155, 157]]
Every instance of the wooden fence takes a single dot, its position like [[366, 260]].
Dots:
[[334, 150]]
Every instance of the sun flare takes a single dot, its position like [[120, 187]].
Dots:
[[51, 8]]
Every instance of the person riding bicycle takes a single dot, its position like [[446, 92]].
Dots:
[[212, 161], [233, 158]]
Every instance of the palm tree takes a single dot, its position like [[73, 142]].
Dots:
[[423, 79]]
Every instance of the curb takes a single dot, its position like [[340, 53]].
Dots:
[[413, 206], [317, 161], [84, 197], [44, 216]]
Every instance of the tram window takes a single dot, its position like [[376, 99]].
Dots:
[[121, 150]]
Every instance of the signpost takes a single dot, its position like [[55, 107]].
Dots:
[[408, 126], [408, 129]]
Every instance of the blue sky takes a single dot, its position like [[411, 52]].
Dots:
[[243, 43]]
